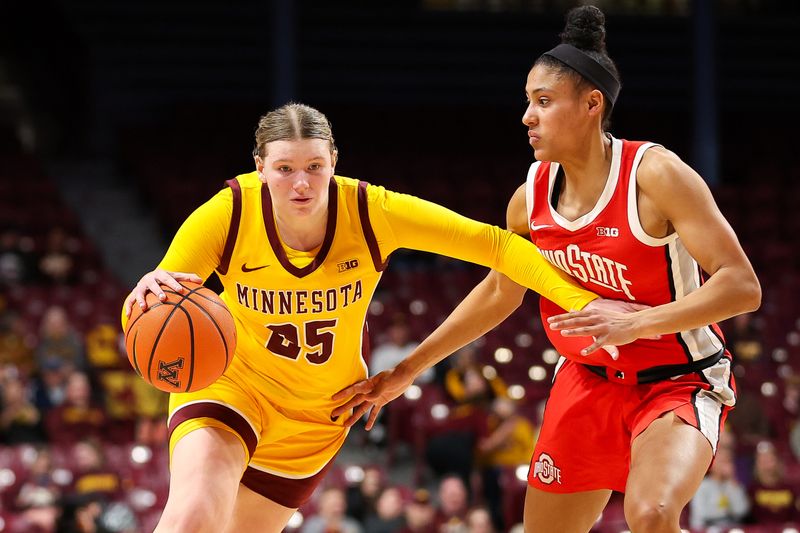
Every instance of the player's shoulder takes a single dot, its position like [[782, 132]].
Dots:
[[662, 170], [249, 180], [352, 185], [347, 184]]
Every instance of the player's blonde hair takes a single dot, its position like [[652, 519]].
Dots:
[[290, 122]]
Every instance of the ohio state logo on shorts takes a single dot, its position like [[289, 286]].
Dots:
[[546, 470]]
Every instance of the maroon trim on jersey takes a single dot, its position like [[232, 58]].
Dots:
[[366, 225], [290, 493], [219, 412], [275, 241], [233, 230], [366, 347]]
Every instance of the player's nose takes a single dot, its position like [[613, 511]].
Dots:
[[301, 184], [529, 118]]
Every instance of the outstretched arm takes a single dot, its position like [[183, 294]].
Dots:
[[488, 304], [403, 221]]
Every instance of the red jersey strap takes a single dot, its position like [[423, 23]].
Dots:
[[366, 226], [233, 230]]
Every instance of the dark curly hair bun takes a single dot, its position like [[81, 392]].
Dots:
[[585, 29]]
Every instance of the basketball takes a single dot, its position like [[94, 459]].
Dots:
[[184, 343]]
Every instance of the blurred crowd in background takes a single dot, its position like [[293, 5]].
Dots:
[[119, 118]]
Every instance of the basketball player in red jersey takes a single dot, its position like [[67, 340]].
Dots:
[[628, 220]]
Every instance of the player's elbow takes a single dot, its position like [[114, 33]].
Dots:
[[747, 290], [751, 293]]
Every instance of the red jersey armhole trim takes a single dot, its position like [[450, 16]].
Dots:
[[233, 231]]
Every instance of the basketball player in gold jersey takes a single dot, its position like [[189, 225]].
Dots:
[[299, 252]]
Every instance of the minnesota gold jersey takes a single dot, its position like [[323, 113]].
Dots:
[[300, 315]]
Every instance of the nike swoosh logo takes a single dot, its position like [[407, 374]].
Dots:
[[245, 268], [534, 227]]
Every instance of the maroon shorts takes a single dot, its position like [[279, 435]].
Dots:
[[590, 423]]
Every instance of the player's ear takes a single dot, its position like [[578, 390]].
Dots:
[[594, 100], [259, 163], [334, 159]]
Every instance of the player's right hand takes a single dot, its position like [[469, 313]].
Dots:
[[152, 282]]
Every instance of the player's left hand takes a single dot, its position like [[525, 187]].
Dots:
[[371, 395], [608, 322]]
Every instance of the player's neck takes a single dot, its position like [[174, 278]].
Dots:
[[587, 172], [302, 234]]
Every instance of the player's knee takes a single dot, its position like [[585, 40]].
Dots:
[[648, 516]]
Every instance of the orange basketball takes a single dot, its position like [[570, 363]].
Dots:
[[184, 343]]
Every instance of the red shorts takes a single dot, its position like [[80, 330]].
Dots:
[[590, 423]]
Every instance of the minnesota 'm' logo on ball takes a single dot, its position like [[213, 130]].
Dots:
[[169, 371], [546, 470]]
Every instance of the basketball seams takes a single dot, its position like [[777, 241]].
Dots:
[[219, 329], [133, 359], [203, 296], [176, 306], [191, 347], [209, 315], [129, 326]]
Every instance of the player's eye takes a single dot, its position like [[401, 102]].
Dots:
[[314, 166], [285, 168]]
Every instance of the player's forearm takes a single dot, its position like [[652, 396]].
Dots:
[[489, 303], [520, 260], [729, 292]]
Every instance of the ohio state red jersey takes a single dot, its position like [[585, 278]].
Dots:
[[607, 251]]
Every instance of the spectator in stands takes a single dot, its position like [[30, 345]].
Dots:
[[385, 356], [419, 514], [451, 443], [744, 338], [748, 421], [721, 499], [92, 514], [93, 478], [50, 385], [38, 497], [77, 418], [20, 420], [388, 517], [789, 412], [16, 258], [479, 520], [772, 499], [467, 385], [398, 345], [451, 514], [362, 498], [103, 348], [57, 264], [508, 444], [58, 340], [331, 515], [15, 348]]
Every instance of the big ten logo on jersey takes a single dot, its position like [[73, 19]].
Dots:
[[344, 266], [604, 231]]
